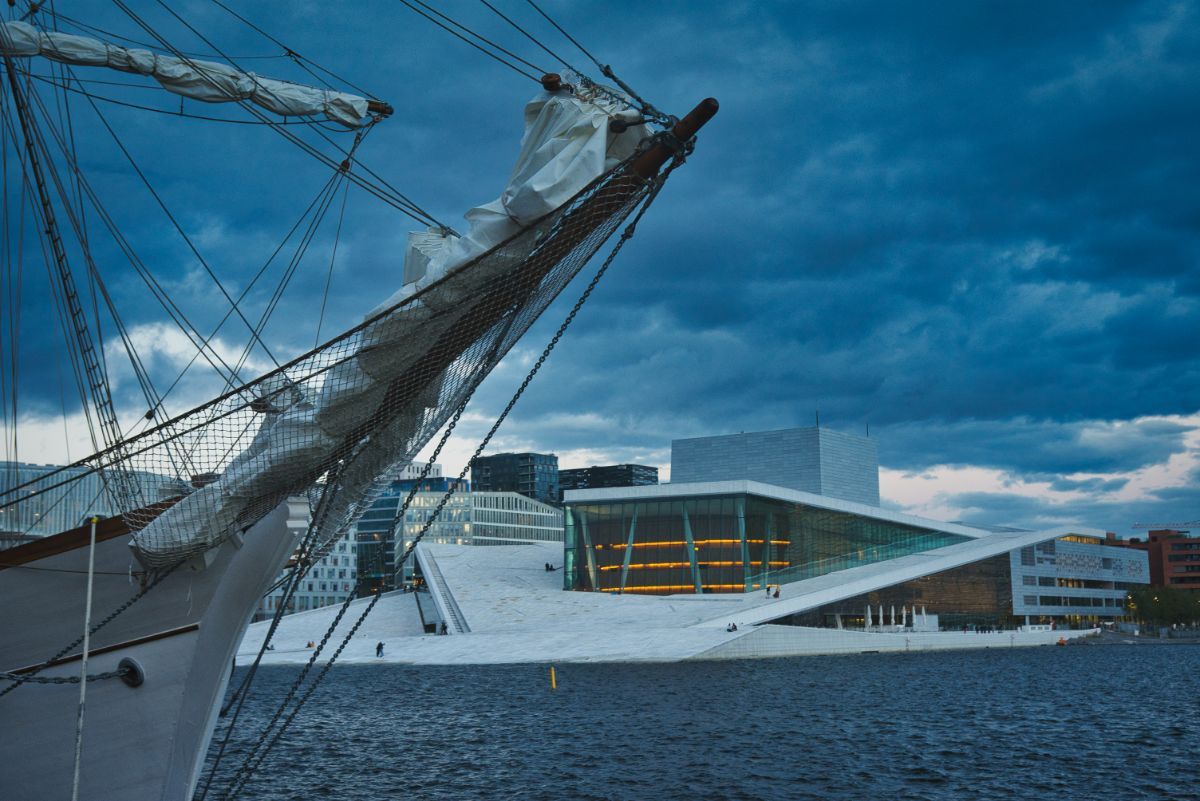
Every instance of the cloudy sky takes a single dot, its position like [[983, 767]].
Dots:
[[972, 227]]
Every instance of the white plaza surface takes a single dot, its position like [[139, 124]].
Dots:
[[515, 611]]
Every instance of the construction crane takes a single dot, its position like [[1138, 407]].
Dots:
[[1168, 526]]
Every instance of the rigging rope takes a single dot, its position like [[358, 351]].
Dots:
[[337, 237], [94, 31], [260, 751], [383, 190], [530, 36], [156, 289], [481, 38], [293, 55], [560, 29], [648, 110], [140, 372], [253, 281]]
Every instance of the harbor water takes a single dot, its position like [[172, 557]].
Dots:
[[1081, 722]]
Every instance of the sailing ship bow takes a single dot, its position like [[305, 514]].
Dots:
[[355, 408]]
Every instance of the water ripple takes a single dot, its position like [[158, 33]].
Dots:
[[1042, 723]]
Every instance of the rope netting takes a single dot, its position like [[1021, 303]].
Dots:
[[336, 419]]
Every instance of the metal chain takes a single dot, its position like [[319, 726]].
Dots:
[[299, 680], [21, 677], [243, 774], [28, 677], [246, 771]]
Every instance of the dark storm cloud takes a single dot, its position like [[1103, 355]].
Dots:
[[972, 227], [962, 228], [1090, 485], [1037, 450], [988, 508]]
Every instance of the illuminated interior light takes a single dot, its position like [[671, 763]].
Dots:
[[673, 587], [667, 543], [665, 565]]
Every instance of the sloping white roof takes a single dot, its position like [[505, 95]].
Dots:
[[705, 488], [802, 596]]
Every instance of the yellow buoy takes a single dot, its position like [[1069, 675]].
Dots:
[[553, 680]]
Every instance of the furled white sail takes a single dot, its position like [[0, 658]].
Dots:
[[199, 80], [567, 144]]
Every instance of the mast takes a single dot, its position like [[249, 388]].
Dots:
[[121, 485]]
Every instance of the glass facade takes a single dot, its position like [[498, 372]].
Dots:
[[974, 596], [534, 475], [612, 475], [374, 533], [723, 543], [1089, 582]]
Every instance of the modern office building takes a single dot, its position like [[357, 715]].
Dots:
[[746, 536], [329, 581], [81, 496], [816, 460], [1174, 558], [507, 518], [374, 534], [534, 475], [479, 518], [610, 475]]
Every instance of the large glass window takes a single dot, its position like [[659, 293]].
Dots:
[[731, 543]]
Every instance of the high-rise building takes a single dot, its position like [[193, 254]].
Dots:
[[609, 475], [534, 475], [817, 460]]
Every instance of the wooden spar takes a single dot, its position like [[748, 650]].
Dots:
[[649, 163], [379, 107]]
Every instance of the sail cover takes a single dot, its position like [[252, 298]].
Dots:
[[199, 80]]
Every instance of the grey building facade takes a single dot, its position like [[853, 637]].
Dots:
[[817, 460], [609, 475], [1075, 576]]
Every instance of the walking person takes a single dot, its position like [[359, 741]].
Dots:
[[379, 649]]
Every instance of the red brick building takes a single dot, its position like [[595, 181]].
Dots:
[[1174, 558]]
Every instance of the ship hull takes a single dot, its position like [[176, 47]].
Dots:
[[145, 742]]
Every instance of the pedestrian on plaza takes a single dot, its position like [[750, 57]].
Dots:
[[379, 649]]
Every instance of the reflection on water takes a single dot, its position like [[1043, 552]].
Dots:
[[1116, 722]]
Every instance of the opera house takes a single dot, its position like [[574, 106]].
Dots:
[[764, 544]]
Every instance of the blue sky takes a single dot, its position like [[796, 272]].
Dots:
[[972, 227]]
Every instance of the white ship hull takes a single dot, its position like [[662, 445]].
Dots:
[[145, 742]]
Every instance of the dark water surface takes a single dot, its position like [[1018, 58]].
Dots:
[[1102, 722]]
